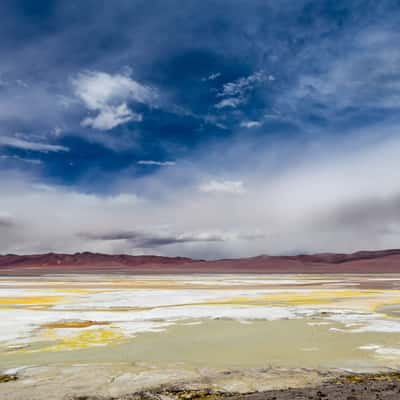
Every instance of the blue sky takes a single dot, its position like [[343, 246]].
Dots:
[[200, 128]]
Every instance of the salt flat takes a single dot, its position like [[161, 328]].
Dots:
[[148, 330]]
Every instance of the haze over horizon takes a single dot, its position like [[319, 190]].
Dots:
[[200, 129]]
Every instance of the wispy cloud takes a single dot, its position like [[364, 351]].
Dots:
[[212, 77], [108, 95], [157, 163], [363, 77], [240, 86], [23, 144], [236, 92]]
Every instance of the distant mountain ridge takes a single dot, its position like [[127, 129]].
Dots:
[[382, 261], [84, 259]]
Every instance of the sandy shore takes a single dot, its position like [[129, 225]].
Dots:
[[254, 384], [60, 382]]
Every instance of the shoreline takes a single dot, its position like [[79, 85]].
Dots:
[[80, 383]]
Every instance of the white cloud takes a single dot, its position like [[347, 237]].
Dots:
[[250, 124], [159, 163], [108, 95], [18, 143], [99, 89], [225, 186], [110, 117]]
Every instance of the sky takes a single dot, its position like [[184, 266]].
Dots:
[[206, 129]]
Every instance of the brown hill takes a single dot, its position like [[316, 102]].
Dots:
[[385, 261]]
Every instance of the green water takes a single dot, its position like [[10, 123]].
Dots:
[[229, 344]]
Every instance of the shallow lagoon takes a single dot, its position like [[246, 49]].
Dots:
[[230, 344], [212, 321]]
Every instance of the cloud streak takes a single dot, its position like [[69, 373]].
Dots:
[[157, 163], [23, 144], [154, 240]]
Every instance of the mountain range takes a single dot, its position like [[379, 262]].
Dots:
[[382, 261]]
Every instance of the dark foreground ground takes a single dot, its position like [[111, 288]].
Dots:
[[382, 386], [364, 387]]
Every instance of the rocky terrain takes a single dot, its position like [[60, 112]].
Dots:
[[384, 261], [279, 384], [352, 387]]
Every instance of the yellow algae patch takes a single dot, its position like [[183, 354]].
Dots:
[[74, 324], [262, 301], [314, 297], [362, 378], [29, 300], [85, 339]]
